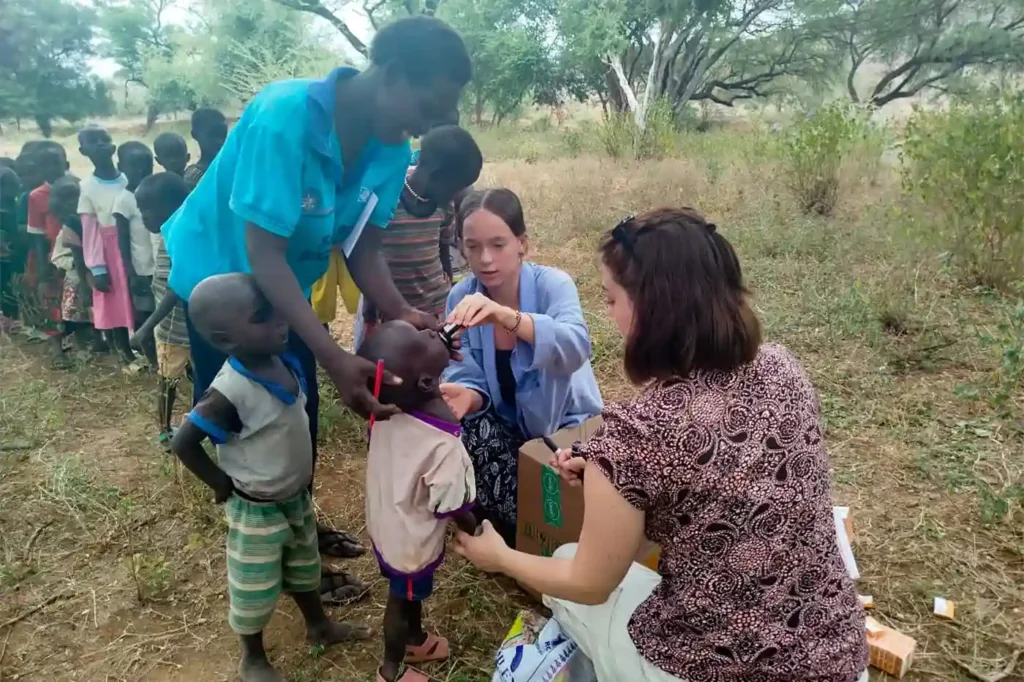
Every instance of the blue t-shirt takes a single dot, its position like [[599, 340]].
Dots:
[[280, 168]]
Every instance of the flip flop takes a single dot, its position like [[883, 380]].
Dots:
[[339, 544], [434, 648], [408, 675], [339, 588]]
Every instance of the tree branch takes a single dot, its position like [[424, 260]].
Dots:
[[314, 7]]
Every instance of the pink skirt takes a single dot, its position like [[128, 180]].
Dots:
[[113, 309]]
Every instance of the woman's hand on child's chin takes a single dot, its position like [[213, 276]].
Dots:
[[486, 550]]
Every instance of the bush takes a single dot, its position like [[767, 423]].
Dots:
[[966, 168], [621, 138], [573, 142], [814, 150]]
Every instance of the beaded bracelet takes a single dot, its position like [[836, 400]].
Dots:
[[519, 320]]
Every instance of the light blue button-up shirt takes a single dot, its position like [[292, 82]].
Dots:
[[555, 384], [281, 169]]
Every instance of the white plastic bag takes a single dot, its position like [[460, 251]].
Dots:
[[536, 650]]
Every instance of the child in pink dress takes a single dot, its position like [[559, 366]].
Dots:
[[418, 476], [112, 302]]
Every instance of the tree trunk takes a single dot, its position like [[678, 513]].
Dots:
[[478, 108], [152, 114], [45, 124]]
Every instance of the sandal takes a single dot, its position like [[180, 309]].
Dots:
[[434, 648], [164, 439], [338, 588], [339, 544], [408, 675]]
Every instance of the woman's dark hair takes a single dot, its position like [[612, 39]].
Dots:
[[501, 202], [453, 150], [691, 309], [422, 48]]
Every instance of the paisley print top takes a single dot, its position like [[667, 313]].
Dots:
[[731, 472]]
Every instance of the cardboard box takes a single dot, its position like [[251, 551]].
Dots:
[[550, 510], [890, 651]]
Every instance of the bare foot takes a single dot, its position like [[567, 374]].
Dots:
[[336, 633], [258, 670]]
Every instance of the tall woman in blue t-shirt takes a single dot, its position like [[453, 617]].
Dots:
[[312, 166]]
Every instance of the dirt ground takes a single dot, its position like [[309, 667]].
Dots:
[[111, 556]]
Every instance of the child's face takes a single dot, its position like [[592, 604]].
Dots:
[[28, 170], [136, 166], [424, 354], [97, 145], [64, 204], [211, 138], [255, 329], [154, 212], [51, 167], [173, 160], [10, 187]]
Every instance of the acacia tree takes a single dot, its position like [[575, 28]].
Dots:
[[693, 50], [44, 45], [922, 44]]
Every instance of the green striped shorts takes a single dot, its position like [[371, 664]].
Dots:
[[271, 546]]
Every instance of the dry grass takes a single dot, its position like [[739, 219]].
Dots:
[[125, 551]]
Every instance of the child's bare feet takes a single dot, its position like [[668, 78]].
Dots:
[[258, 670], [336, 633]]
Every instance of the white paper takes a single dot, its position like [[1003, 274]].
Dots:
[[839, 515], [349, 243]]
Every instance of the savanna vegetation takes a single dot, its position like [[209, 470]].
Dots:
[[885, 249]]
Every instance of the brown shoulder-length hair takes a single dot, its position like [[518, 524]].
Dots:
[[691, 310]]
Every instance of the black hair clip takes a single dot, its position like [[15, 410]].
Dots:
[[621, 235]]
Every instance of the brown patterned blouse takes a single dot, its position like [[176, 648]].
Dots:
[[731, 472]]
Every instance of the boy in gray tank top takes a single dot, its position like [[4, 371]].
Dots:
[[255, 413]]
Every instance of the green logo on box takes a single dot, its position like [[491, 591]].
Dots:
[[551, 496]]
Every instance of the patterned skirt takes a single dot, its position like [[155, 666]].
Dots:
[[73, 305], [493, 446]]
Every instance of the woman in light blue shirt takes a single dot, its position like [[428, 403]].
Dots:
[[525, 369]]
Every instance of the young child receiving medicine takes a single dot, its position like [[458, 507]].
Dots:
[[418, 475], [255, 413]]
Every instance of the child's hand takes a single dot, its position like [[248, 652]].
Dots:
[[486, 550], [101, 283], [140, 286], [139, 338], [223, 491]]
